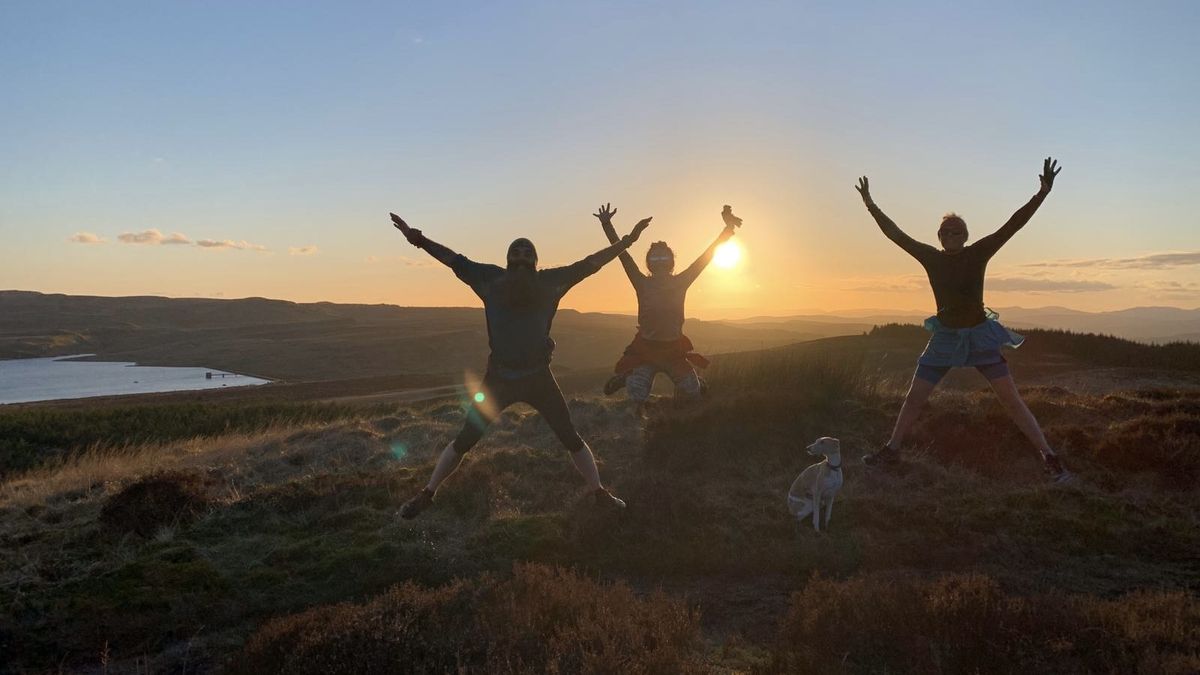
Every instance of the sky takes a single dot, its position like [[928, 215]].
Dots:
[[233, 149]]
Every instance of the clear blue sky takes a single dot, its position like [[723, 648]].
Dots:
[[289, 125]]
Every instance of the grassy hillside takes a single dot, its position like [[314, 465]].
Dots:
[[277, 548], [277, 339]]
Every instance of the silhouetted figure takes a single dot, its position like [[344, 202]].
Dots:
[[965, 333], [660, 345], [519, 304]]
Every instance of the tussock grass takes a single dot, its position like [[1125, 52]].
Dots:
[[966, 623], [31, 437], [148, 505], [538, 620]]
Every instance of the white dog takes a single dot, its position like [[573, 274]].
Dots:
[[818, 484]]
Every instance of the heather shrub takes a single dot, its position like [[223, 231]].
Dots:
[[1166, 445], [541, 619], [968, 624], [163, 499]]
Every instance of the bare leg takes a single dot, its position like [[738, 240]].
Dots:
[[1006, 391], [447, 464], [585, 464], [914, 402]]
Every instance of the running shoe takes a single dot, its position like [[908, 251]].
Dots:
[[413, 507], [606, 498], [615, 383], [1055, 468], [885, 456]]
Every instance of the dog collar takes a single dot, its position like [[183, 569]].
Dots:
[[833, 467]]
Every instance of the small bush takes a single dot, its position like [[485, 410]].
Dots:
[[163, 499], [541, 619], [967, 624], [1167, 446]]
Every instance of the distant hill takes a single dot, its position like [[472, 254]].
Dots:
[[322, 341], [1144, 324]]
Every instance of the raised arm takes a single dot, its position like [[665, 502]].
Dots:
[[605, 214], [416, 238], [732, 222], [890, 230], [566, 277], [992, 243]]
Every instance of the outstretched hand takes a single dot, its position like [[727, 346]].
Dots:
[[412, 234], [864, 189], [605, 214], [637, 229], [731, 221], [1050, 169]]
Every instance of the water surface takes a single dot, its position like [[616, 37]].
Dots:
[[48, 379]]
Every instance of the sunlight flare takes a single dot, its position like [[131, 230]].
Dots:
[[728, 255]]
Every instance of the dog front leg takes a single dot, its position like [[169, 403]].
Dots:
[[816, 497], [828, 511]]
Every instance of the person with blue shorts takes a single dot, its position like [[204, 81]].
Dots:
[[964, 332]]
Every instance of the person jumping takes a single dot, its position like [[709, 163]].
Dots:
[[660, 345], [965, 333], [519, 304]]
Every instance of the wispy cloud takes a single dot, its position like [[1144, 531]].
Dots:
[[1151, 261], [1167, 287], [155, 237], [302, 250], [152, 237], [906, 283], [229, 244], [1016, 284], [86, 238], [1039, 285]]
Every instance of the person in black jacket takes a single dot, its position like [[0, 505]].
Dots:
[[519, 303]]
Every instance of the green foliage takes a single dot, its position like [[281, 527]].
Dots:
[[166, 593], [36, 436], [541, 619]]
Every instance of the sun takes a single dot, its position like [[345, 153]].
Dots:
[[728, 255]]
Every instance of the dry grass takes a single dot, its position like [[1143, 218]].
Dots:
[[304, 517], [539, 620], [966, 623]]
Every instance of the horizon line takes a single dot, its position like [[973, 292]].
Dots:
[[749, 314]]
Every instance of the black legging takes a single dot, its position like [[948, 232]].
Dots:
[[538, 389]]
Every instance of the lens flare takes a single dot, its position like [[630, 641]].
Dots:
[[728, 255], [474, 394]]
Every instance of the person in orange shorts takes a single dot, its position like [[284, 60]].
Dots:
[[660, 345]]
